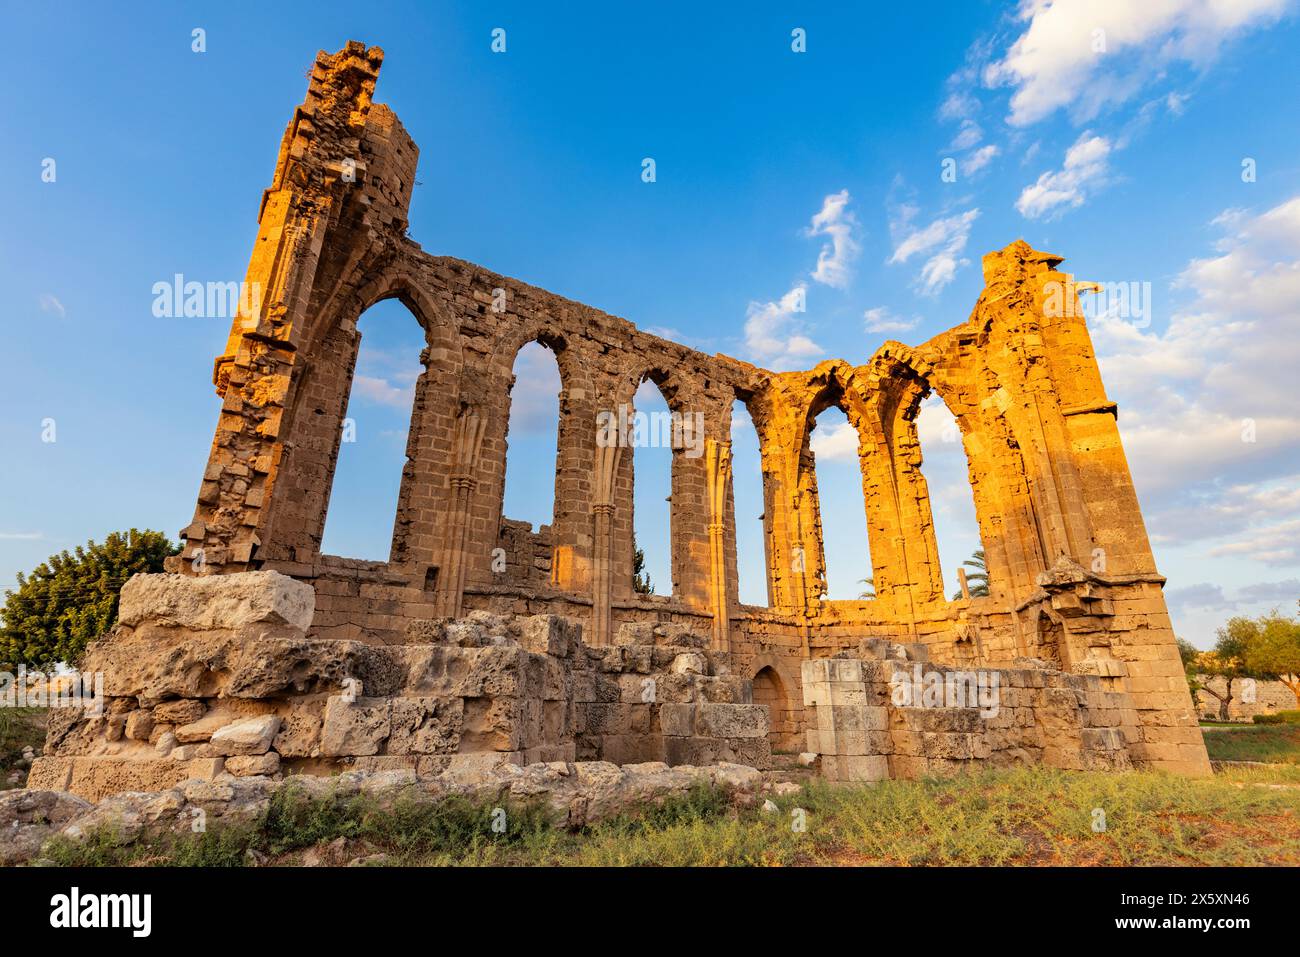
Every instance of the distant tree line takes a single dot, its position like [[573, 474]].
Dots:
[[1266, 648]]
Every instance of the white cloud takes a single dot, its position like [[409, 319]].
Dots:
[[1085, 168], [942, 242], [382, 392], [837, 222], [1212, 596], [969, 135], [387, 375], [51, 304], [979, 159], [21, 536], [881, 319], [535, 396], [836, 442], [1275, 545], [1209, 425], [957, 105], [773, 331], [1086, 55]]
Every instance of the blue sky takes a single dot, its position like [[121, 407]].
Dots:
[[776, 171]]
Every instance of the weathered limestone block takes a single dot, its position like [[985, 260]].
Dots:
[[493, 724], [251, 764], [184, 711], [355, 727], [300, 732], [93, 778], [549, 635], [677, 720], [731, 720], [157, 665], [426, 725], [846, 767], [689, 663], [217, 601], [723, 689], [755, 752], [139, 725], [250, 736], [202, 730]]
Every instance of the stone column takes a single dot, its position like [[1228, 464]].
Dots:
[[717, 457], [467, 443], [602, 623]]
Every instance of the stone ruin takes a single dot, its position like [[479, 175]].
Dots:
[[261, 655]]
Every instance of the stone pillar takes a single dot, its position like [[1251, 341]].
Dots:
[[602, 618], [467, 443], [718, 473]]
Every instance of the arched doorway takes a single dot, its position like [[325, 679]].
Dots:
[[770, 690]]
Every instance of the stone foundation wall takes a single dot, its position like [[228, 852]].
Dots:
[[225, 676], [219, 675], [889, 713]]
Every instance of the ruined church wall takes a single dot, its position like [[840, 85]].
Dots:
[[1051, 487]]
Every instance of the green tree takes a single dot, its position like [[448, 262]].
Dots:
[[1226, 660], [1272, 648], [977, 581], [641, 583], [71, 599], [1190, 656], [870, 590]]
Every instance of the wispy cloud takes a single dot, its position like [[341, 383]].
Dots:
[[382, 392], [979, 159], [1210, 595], [881, 319], [837, 222], [1209, 428], [969, 135], [1085, 169], [50, 303], [941, 243], [773, 331]]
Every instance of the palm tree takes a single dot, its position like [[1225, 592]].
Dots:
[[870, 590], [977, 581]]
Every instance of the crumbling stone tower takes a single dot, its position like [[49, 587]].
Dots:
[[1073, 582]]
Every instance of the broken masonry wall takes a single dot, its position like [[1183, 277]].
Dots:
[[1072, 576]]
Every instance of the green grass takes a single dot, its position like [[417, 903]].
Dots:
[[1273, 743], [1010, 817]]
